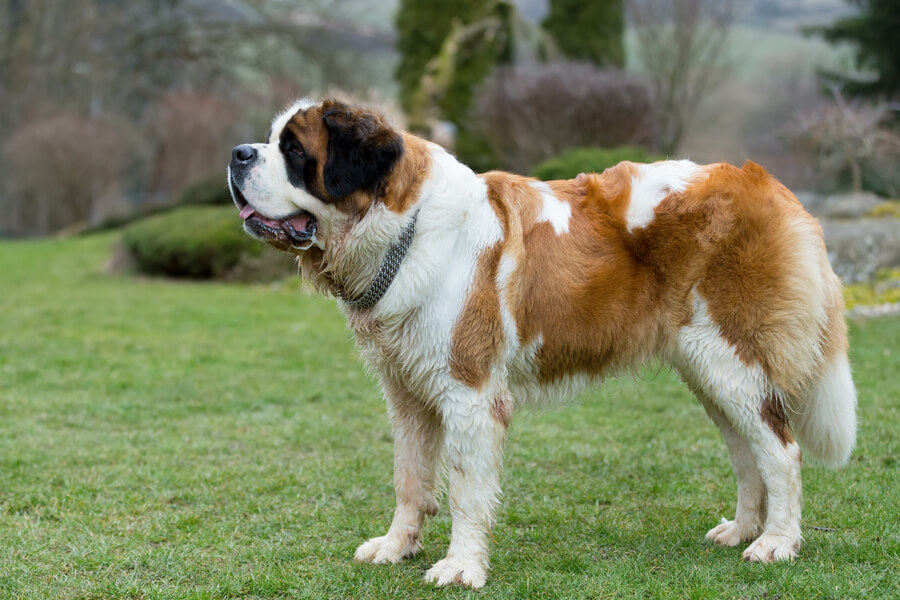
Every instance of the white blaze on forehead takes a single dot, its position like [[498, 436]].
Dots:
[[281, 120], [654, 182], [553, 210]]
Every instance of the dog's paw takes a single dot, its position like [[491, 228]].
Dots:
[[462, 571], [732, 533], [387, 549], [770, 547]]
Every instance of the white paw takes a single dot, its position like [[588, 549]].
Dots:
[[770, 547], [457, 570], [387, 549], [732, 533]]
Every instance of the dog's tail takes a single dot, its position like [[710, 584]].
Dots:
[[826, 425]]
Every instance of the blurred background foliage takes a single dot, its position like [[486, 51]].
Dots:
[[113, 110], [585, 160], [873, 34]]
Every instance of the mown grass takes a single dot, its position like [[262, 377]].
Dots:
[[179, 440]]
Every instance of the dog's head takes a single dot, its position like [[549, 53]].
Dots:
[[322, 166]]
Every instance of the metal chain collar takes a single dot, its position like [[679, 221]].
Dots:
[[388, 270]]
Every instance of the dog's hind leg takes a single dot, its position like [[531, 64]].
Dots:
[[474, 432], [743, 395], [417, 445], [751, 491], [760, 421]]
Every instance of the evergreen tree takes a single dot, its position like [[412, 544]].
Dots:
[[589, 29], [422, 27], [874, 32]]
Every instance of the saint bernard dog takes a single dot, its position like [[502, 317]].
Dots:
[[473, 295]]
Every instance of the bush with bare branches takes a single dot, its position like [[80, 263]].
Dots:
[[58, 169], [855, 142], [682, 46], [532, 113], [190, 131]]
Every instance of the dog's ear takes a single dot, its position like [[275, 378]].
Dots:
[[362, 150]]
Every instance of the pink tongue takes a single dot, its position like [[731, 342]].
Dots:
[[299, 222], [247, 212]]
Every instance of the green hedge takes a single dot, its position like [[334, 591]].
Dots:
[[589, 160], [199, 242], [206, 192]]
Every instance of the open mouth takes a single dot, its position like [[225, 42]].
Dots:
[[296, 230]]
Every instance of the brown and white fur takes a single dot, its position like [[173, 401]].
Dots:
[[515, 292]]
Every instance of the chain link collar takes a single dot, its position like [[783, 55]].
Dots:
[[386, 273]]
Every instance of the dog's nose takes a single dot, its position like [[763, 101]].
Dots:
[[243, 153]]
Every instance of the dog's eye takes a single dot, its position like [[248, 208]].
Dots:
[[292, 148]]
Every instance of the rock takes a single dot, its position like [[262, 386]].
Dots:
[[839, 206], [890, 309], [859, 248]]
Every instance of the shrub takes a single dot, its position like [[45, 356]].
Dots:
[[207, 192], [530, 114], [589, 160], [210, 191], [189, 132], [856, 144], [200, 242], [56, 170]]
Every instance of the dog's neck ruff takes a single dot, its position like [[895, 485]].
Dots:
[[386, 273]]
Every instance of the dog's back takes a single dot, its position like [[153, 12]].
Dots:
[[606, 269]]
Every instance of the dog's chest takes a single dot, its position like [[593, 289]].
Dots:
[[413, 351]]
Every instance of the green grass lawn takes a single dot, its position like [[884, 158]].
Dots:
[[187, 440]]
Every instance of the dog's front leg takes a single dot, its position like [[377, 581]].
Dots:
[[473, 442], [417, 444]]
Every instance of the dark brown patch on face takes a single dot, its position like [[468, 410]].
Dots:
[[773, 415], [361, 152], [351, 153], [309, 130]]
